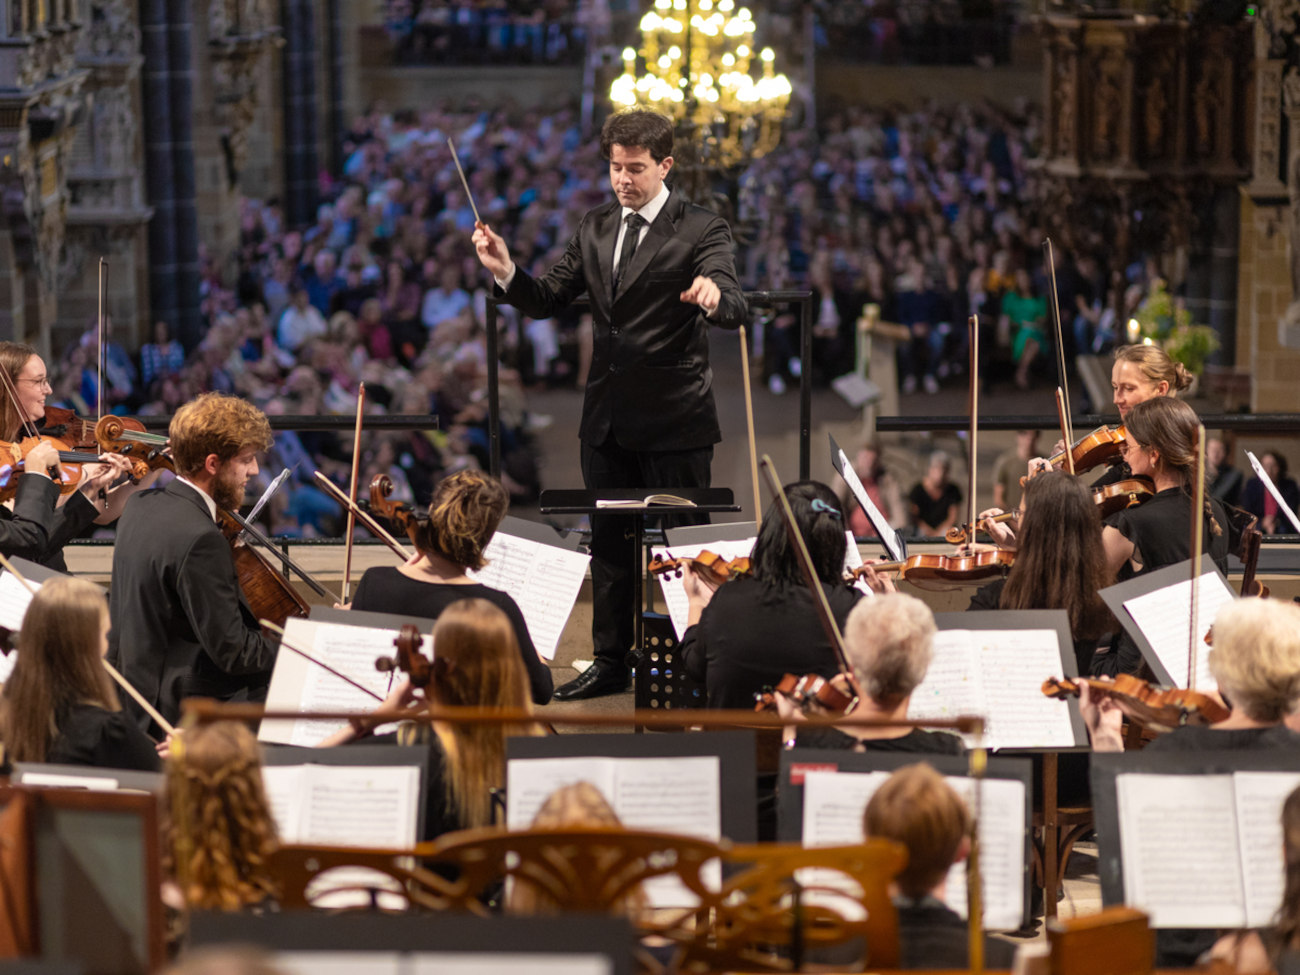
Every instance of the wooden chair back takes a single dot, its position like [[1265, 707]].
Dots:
[[314, 877], [1117, 941]]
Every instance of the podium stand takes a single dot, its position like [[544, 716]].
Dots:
[[583, 502]]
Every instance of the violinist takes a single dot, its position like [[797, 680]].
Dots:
[[42, 522], [463, 516], [754, 629], [1060, 562], [181, 624], [889, 642], [59, 704], [1160, 443]]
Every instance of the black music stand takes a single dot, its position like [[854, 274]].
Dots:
[[583, 502]]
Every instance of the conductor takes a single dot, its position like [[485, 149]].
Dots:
[[657, 272]]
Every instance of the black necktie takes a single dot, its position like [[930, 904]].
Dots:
[[631, 235]]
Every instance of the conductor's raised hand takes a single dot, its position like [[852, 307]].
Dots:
[[703, 292], [492, 251]]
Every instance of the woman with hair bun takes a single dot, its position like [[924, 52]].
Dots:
[[463, 516], [1141, 373], [756, 628]]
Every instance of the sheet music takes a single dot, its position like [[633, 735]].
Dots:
[[953, 684], [886, 531], [1178, 843], [671, 585], [1017, 712], [1260, 796], [92, 783], [298, 684], [284, 784], [834, 804], [14, 598], [1164, 617], [681, 794], [543, 579], [1272, 489]]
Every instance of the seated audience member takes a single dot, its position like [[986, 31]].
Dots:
[[934, 500], [464, 514], [889, 642], [1060, 562], [59, 704], [1275, 948], [1222, 480], [476, 665], [1255, 662], [214, 787], [755, 628], [918, 809], [1259, 501]]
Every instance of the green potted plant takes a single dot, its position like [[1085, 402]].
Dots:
[[1170, 326]]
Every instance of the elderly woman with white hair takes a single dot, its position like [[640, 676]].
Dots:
[[1255, 661], [889, 642]]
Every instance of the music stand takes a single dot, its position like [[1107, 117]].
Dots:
[[583, 502]]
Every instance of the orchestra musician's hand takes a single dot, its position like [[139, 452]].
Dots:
[[97, 478], [703, 292], [492, 251], [1103, 719], [698, 593], [1058, 448], [164, 747], [1037, 465], [1003, 535], [41, 459], [877, 582]]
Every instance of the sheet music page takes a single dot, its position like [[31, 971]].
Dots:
[[360, 805], [543, 579], [1002, 852], [284, 786], [93, 783], [833, 808], [671, 585], [1178, 841], [833, 804], [1014, 664], [1164, 617], [14, 598], [1260, 796], [953, 685], [341, 962], [487, 963], [1272, 489], [668, 795], [886, 532]]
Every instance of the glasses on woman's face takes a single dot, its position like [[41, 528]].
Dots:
[[42, 383]]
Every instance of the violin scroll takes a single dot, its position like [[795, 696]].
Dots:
[[112, 435], [807, 691], [409, 659], [398, 512]]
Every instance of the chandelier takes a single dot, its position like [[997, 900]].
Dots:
[[696, 58]]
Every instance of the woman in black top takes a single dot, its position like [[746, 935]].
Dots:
[[889, 641], [756, 628], [60, 705], [1060, 563], [464, 514], [1160, 443], [934, 500]]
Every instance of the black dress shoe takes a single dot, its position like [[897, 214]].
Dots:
[[597, 680]]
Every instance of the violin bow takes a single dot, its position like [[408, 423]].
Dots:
[[749, 420], [1060, 341], [1198, 542], [364, 517], [11, 391], [973, 323], [99, 359], [275, 628], [352, 491], [1063, 414], [113, 672], [805, 564]]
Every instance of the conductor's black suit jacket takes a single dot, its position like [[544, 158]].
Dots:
[[181, 627], [650, 384]]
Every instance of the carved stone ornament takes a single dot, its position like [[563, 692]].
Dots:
[[114, 31], [240, 33]]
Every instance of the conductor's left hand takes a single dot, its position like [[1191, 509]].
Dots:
[[703, 292]]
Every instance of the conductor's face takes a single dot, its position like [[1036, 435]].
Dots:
[[635, 176]]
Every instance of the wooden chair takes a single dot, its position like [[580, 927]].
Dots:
[[1117, 941], [322, 877]]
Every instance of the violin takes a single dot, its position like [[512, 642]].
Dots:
[[960, 534], [1102, 446], [1109, 499], [127, 436], [69, 470], [1144, 704], [712, 567], [806, 691], [399, 513], [930, 568], [269, 594], [409, 659]]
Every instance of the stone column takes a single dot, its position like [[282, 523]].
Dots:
[[300, 161]]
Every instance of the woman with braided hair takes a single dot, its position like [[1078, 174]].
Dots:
[[59, 704], [464, 514], [220, 831]]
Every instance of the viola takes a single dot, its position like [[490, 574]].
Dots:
[[64, 423], [1111, 498], [269, 594], [712, 567], [930, 568], [1102, 446], [1144, 704], [806, 691]]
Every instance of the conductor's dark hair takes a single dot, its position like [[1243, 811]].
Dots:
[[638, 129], [820, 518]]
